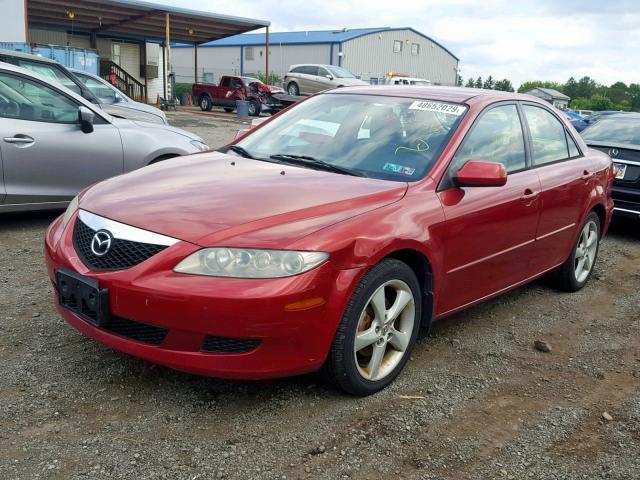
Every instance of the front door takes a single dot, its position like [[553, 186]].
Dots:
[[489, 232], [46, 158]]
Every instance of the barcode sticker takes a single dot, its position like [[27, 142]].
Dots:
[[450, 108]]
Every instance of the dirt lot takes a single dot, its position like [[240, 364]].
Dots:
[[477, 401]]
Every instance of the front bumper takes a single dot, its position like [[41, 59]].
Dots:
[[626, 201], [193, 308]]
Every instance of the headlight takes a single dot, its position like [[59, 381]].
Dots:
[[249, 263], [71, 209], [203, 147]]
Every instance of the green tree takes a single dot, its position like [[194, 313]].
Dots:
[[470, 83], [526, 86], [479, 82], [634, 96], [488, 83], [504, 85], [570, 88], [618, 92], [586, 87]]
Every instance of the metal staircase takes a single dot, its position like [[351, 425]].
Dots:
[[122, 80]]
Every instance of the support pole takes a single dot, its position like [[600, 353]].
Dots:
[[167, 41], [164, 73], [195, 62], [266, 61]]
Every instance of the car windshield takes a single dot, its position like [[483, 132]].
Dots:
[[101, 89], [614, 130], [249, 80], [51, 72], [340, 72], [390, 138]]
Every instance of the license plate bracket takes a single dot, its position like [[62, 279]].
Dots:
[[83, 296]]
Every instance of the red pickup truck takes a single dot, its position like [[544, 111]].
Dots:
[[230, 89]]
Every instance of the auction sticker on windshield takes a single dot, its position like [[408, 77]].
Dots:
[[440, 107]]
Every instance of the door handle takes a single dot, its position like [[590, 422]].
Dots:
[[19, 139], [586, 175], [529, 195]]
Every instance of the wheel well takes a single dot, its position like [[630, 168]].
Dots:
[[421, 267], [163, 157], [602, 215], [203, 95]]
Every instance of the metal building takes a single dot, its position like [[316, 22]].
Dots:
[[370, 53]]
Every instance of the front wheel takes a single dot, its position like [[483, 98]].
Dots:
[[378, 330], [254, 108], [573, 274]]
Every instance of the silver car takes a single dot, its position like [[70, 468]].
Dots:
[[309, 79], [54, 143], [117, 103]]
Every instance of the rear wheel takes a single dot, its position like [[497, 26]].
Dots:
[[292, 89], [378, 330], [574, 273], [205, 103]]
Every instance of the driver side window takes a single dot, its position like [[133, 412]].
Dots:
[[24, 99], [495, 137]]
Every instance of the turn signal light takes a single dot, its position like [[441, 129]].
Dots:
[[306, 304]]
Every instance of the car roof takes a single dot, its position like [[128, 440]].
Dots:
[[27, 56], [312, 65], [447, 94]]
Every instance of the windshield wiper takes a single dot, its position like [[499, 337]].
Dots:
[[240, 151], [314, 162]]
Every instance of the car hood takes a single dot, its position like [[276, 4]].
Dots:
[[210, 198], [350, 81], [122, 108], [162, 130]]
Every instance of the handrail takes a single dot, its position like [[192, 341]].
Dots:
[[122, 80]]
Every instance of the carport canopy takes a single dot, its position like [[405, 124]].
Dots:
[[138, 19]]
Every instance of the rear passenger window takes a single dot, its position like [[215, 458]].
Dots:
[[573, 148], [496, 137], [548, 136]]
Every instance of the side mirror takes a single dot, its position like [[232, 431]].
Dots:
[[85, 117], [329, 77], [476, 173]]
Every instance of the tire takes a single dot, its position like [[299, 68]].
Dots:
[[352, 367], [254, 108], [573, 274], [228, 109], [292, 89], [205, 103]]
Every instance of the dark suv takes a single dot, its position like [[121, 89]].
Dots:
[[618, 135]]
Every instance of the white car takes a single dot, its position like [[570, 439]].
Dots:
[[117, 103], [396, 80]]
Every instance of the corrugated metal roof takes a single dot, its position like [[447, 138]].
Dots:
[[551, 92], [307, 37], [311, 36], [137, 19]]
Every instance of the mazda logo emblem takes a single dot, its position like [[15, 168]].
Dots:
[[101, 243], [613, 152]]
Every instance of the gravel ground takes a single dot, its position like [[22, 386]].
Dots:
[[476, 401]]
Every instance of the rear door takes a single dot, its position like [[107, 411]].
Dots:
[[566, 179], [489, 232], [46, 158], [308, 81]]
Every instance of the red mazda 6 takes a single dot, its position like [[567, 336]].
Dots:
[[328, 235]]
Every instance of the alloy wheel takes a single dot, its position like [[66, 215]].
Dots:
[[384, 330], [586, 251]]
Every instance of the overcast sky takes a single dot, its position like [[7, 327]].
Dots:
[[516, 39]]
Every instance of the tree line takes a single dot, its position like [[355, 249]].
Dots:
[[585, 93]]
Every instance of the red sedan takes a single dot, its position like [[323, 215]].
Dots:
[[330, 234]]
